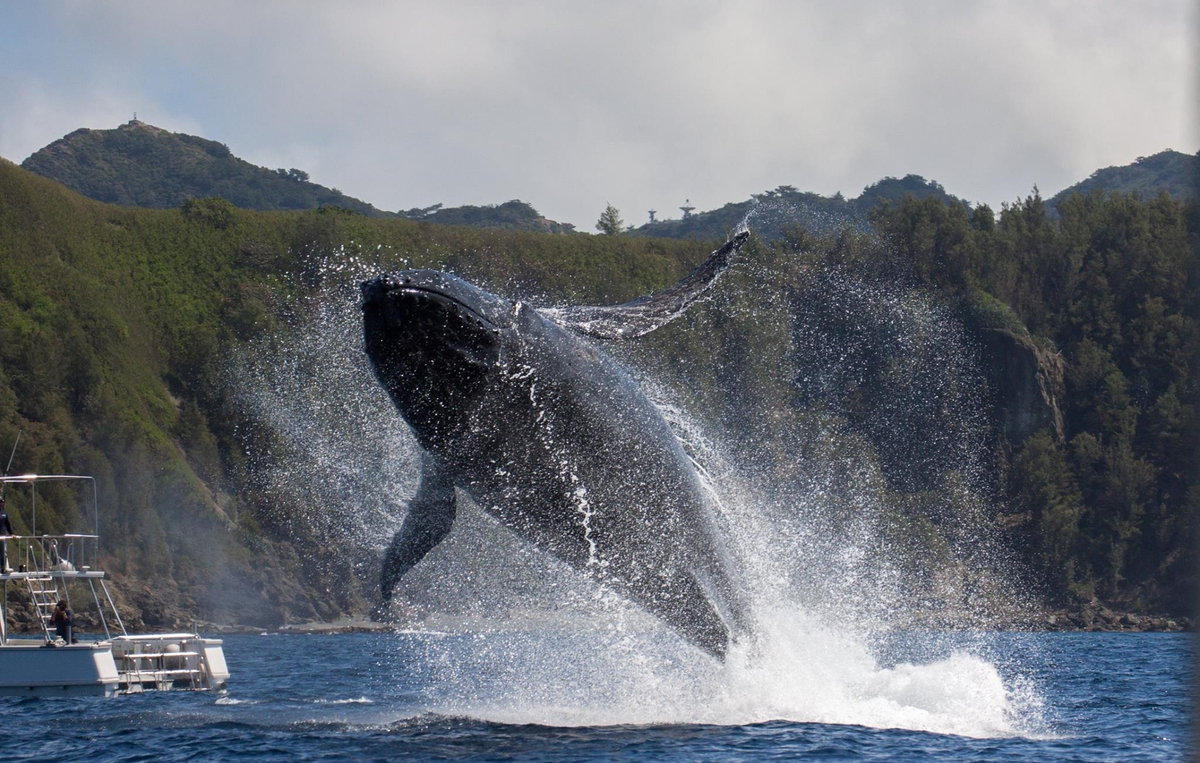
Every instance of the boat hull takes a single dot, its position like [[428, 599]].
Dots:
[[32, 669], [124, 664]]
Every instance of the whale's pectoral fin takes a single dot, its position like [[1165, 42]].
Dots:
[[430, 517], [645, 314]]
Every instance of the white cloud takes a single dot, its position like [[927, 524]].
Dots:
[[37, 112], [572, 105]]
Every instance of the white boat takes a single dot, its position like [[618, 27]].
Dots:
[[46, 567]]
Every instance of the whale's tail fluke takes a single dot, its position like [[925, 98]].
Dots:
[[645, 314]]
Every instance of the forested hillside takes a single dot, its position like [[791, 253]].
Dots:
[[145, 166], [142, 165], [770, 212], [1108, 506], [1176, 173], [117, 325], [511, 215]]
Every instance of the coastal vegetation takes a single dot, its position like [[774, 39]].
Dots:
[[117, 322], [774, 210], [1175, 172], [1105, 507]]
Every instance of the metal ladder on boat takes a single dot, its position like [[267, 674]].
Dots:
[[43, 592], [171, 668]]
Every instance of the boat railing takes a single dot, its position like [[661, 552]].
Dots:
[[53, 554], [45, 565]]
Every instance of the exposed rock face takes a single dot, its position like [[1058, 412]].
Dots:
[[927, 386], [1026, 381]]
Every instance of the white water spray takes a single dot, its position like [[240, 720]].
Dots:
[[524, 638]]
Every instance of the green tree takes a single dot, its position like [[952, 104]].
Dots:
[[211, 210], [1048, 491], [610, 223]]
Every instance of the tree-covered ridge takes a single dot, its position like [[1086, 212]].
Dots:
[[141, 165], [1176, 173], [116, 324], [771, 212], [1108, 507], [511, 215]]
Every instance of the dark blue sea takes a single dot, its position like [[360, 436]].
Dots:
[[545, 696]]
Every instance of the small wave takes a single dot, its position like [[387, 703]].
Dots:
[[354, 701], [233, 701]]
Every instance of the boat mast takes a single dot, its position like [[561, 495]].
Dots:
[[16, 442]]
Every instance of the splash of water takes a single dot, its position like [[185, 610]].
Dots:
[[531, 640], [335, 450]]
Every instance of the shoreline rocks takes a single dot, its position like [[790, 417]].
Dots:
[[1104, 619]]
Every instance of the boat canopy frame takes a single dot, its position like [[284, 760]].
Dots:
[[41, 561], [33, 479]]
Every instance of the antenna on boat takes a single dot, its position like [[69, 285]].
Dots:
[[13, 455]]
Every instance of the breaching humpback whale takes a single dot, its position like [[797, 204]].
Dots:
[[553, 437]]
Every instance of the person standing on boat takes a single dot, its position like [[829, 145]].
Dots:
[[63, 621], [5, 531]]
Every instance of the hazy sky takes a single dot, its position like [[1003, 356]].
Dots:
[[572, 105]]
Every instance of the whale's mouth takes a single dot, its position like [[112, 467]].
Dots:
[[417, 295], [413, 326], [438, 323], [424, 296]]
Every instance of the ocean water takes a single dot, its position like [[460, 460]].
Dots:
[[545, 695]]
